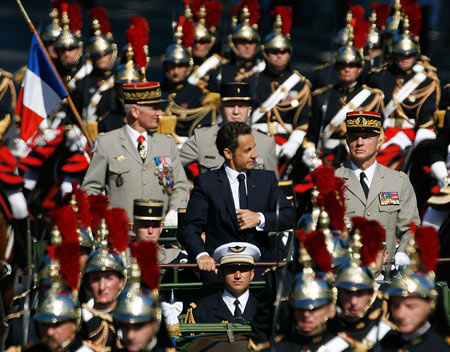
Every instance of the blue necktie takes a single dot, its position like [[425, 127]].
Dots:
[[242, 193]]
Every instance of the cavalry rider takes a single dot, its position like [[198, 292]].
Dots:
[[326, 131], [283, 97], [411, 92]]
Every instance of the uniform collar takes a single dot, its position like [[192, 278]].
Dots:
[[419, 332]]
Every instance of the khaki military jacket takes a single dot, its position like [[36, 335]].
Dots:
[[391, 201], [201, 147], [118, 169]]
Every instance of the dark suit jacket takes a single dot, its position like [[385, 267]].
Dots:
[[211, 210], [212, 309]]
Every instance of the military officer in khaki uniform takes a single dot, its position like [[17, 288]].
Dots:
[[235, 107], [131, 162], [374, 191]]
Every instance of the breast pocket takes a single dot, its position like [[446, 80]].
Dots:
[[388, 216], [117, 174]]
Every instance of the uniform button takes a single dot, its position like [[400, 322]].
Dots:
[[368, 213], [144, 168], [145, 182]]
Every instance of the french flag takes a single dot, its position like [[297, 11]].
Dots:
[[40, 93]]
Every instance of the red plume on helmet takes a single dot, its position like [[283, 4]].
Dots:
[[68, 255], [253, 8], [188, 26], [361, 26], [286, 17], [56, 4], [118, 227], [97, 207], [358, 222], [382, 11], [213, 14], [142, 23], [51, 251], [99, 13], [427, 242], [81, 198], [66, 220], [412, 10], [314, 243], [76, 21], [135, 38], [195, 7], [146, 255], [373, 237], [323, 179]]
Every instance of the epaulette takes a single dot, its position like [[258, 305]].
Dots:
[[317, 68], [402, 174], [424, 58], [107, 317], [447, 86], [7, 74], [193, 305], [447, 340], [373, 90], [253, 347], [321, 90], [379, 69]]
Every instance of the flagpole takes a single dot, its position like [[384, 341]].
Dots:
[[69, 98]]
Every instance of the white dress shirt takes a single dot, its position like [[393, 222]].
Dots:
[[229, 299], [369, 172], [134, 135]]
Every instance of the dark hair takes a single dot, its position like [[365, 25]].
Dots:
[[227, 137]]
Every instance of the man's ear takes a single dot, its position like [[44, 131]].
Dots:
[[134, 111], [228, 154], [249, 111]]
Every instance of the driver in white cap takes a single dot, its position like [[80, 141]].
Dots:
[[235, 304]]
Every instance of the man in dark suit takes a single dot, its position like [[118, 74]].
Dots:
[[234, 203], [235, 304]]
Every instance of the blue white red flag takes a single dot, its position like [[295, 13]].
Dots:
[[40, 93]]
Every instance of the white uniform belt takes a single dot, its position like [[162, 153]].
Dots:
[[336, 344], [263, 127], [391, 122]]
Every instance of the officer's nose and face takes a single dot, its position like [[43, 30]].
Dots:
[[278, 59], [105, 286], [244, 156], [54, 334], [102, 62], [405, 62], [68, 55], [409, 313], [363, 146], [237, 278], [176, 72], [136, 337], [200, 48], [147, 116], [348, 73], [236, 111], [246, 48], [354, 303], [312, 321], [148, 231]]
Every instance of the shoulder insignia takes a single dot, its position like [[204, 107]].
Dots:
[[6, 73], [375, 314], [377, 69], [253, 347], [321, 90], [447, 86], [402, 174], [317, 68], [447, 340], [193, 305]]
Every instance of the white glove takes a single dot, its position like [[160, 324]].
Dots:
[[289, 148], [18, 203], [310, 158], [75, 140], [401, 260], [423, 134], [171, 219], [400, 139], [20, 148], [440, 173]]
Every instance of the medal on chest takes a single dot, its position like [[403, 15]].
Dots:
[[164, 171]]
